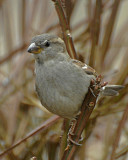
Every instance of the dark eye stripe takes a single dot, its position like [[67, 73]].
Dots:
[[46, 43]]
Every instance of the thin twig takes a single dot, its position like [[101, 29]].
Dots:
[[41, 128], [109, 29], [69, 6], [63, 142], [11, 54], [118, 132], [66, 29], [122, 152], [95, 30]]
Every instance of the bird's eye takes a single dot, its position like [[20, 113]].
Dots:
[[47, 44]]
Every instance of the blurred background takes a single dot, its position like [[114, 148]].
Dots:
[[99, 29]]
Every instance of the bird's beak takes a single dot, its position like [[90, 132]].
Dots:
[[33, 48]]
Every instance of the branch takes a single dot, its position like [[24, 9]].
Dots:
[[12, 53], [122, 152], [63, 142], [95, 31], [86, 110], [109, 29], [65, 29], [41, 128], [118, 132]]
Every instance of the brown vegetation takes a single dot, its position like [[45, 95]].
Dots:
[[100, 38]]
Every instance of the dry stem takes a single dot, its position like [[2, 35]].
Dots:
[[66, 29], [118, 133], [41, 128]]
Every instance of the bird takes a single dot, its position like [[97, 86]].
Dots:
[[61, 82]]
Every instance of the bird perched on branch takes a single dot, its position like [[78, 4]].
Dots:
[[61, 82]]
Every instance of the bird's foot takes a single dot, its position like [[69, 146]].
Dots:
[[92, 92], [70, 140], [71, 135]]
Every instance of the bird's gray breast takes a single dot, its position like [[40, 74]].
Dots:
[[61, 87]]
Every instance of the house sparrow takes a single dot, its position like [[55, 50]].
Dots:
[[62, 82]]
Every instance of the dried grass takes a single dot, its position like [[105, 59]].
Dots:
[[100, 39]]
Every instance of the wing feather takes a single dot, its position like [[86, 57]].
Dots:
[[89, 70]]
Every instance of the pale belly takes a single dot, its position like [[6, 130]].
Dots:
[[62, 88]]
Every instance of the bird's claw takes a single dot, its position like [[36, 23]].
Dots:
[[92, 92], [71, 131], [74, 142]]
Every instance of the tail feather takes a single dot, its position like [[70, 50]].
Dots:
[[111, 90]]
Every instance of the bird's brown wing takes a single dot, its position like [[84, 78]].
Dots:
[[107, 90], [89, 70]]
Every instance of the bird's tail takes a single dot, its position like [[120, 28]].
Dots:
[[111, 90]]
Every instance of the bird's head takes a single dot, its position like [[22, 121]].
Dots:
[[46, 46]]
